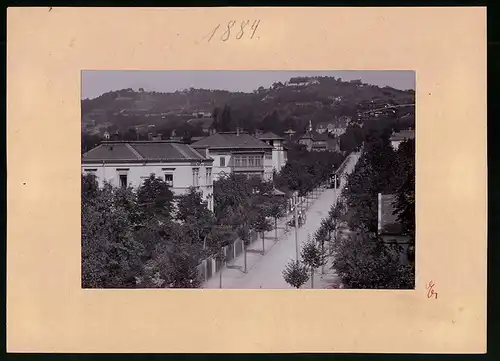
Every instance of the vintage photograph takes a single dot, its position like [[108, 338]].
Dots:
[[248, 179]]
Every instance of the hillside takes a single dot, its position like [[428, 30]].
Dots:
[[282, 106]]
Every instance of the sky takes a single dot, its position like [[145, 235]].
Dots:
[[97, 82]]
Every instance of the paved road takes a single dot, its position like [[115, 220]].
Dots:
[[266, 271]]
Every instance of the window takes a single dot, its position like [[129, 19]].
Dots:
[[237, 161], [244, 161], [196, 174], [222, 161], [123, 180], [169, 179], [251, 162], [258, 161], [269, 156], [271, 143], [209, 176]]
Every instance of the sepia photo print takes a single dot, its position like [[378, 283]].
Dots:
[[248, 179]]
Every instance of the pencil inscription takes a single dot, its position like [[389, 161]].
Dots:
[[430, 290], [228, 31]]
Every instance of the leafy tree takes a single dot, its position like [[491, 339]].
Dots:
[[156, 198], [131, 134], [90, 187], [363, 261], [277, 210], [225, 119], [192, 205], [220, 237], [90, 141], [261, 225], [295, 273], [312, 257], [178, 256], [111, 257], [244, 233]]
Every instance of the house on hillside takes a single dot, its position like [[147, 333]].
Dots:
[[279, 153], [398, 137], [337, 126], [390, 230], [202, 114], [206, 124], [301, 82], [325, 143], [307, 140], [129, 163], [237, 152]]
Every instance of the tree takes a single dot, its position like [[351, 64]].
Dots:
[[130, 134], [225, 119], [261, 225], [192, 205], [363, 261], [155, 197], [218, 238], [244, 234], [312, 257], [277, 210], [295, 273], [90, 187], [178, 256], [111, 257], [322, 236]]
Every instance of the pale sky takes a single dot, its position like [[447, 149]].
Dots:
[[97, 82]]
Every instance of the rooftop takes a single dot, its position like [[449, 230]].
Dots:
[[231, 140], [403, 135], [269, 136], [159, 150]]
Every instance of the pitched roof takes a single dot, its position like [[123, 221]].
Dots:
[[142, 150], [269, 136], [195, 139], [306, 135], [231, 140], [403, 135], [320, 136], [388, 223], [332, 143]]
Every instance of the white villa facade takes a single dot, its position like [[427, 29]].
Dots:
[[279, 153], [123, 163], [397, 138], [237, 152]]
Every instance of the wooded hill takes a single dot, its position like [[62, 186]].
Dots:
[[282, 106]]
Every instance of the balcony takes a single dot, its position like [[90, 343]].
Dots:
[[247, 164]]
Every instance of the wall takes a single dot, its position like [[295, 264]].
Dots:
[[395, 144], [217, 169], [137, 172]]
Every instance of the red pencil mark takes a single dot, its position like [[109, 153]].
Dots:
[[430, 290]]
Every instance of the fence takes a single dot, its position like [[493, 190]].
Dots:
[[210, 266]]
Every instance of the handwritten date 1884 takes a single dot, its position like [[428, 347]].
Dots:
[[232, 30]]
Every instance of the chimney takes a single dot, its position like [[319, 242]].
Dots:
[[238, 130], [150, 136]]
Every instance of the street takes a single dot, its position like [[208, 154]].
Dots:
[[266, 271]]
